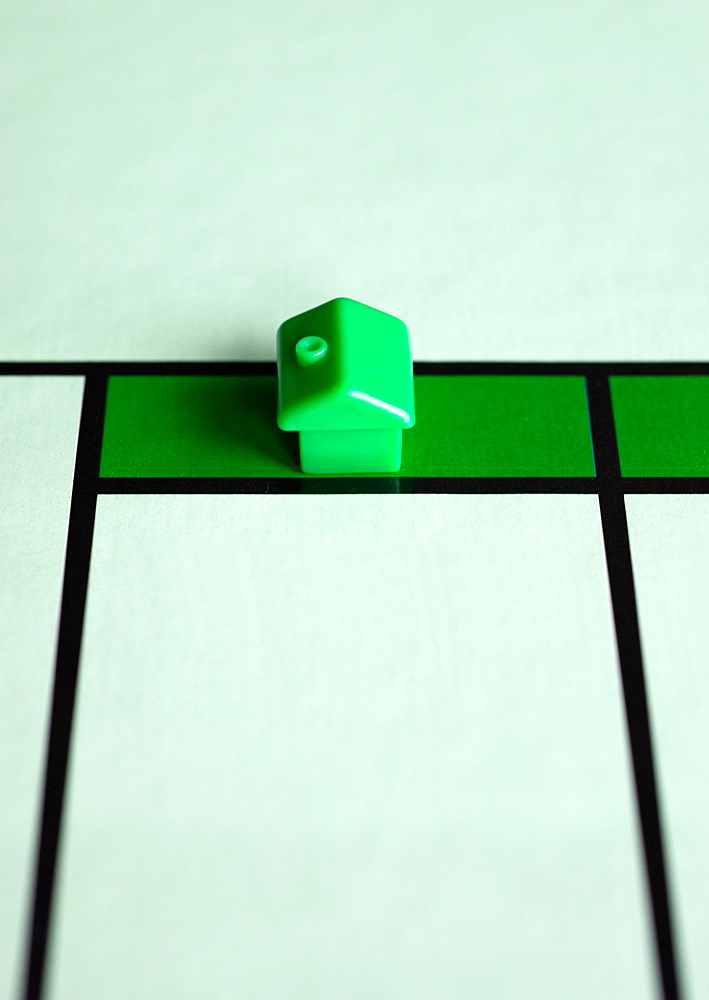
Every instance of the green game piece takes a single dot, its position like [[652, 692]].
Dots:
[[662, 424], [345, 383]]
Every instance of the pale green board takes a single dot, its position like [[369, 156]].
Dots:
[[347, 747], [514, 180]]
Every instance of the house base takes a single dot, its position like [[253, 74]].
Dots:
[[350, 451]]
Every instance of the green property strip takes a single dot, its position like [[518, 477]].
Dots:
[[662, 424], [466, 425]]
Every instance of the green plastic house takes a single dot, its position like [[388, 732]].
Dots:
[[345, 383]]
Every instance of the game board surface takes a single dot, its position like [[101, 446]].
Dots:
[[439, 734], [373, 763]]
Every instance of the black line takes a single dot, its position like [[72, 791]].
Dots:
[[582, 368], [619, 566], [622, 588], [382, 484], [600, 413], [71, 621], [364, 484], [107, 368], [667, 484]]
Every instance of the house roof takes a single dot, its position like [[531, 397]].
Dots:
[[362, 379]]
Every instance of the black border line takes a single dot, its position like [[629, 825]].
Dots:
[[616, 542], [147, 485], [342, 484], [583, 368], [71, 622]]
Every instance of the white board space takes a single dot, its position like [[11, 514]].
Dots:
[[515, 180], [670, 545], [38, 427], [349, 747]]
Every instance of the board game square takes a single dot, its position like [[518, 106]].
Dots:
[[200, 426], [499, 425], [225, 426], [662, 424]]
